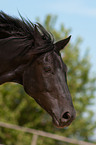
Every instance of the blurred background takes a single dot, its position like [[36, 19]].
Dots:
[[62, 18]]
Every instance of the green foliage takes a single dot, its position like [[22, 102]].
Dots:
[[17, 107]]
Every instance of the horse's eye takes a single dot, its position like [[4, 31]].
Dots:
[[47, 69]]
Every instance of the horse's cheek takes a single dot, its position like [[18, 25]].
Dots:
[[29, 84]]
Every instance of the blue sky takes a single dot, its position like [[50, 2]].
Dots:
[[79, 15]]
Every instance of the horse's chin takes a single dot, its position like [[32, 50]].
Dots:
[[59, 125]]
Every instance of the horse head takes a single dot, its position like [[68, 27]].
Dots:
[[46, 81]]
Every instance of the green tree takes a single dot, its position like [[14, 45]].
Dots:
[[18, 108]]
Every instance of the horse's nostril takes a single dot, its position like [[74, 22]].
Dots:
[[66, 116]]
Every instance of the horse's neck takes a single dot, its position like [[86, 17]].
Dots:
[[14, 75], [13, 58], [13, 71]]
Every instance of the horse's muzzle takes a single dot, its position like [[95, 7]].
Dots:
[[65, 119]]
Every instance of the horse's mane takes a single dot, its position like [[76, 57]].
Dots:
[[11, 27]]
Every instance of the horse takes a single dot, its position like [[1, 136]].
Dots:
[[29, 56]]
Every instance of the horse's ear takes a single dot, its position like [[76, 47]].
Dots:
[[62, 43]]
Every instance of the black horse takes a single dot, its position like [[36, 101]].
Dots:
[[29, 56]]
